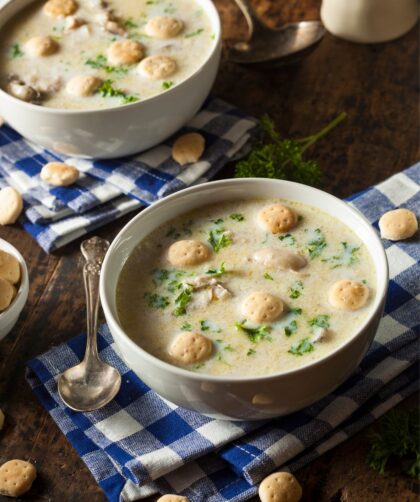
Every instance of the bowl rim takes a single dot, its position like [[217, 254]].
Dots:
[[381, 269], [217, 29], [24, 281]]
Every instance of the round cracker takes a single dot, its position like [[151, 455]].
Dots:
[[41, 46], [188, 252], [9, 267], [188, 148], [83, 85], [348, 295], [279, 258], [164, 27], [125, 52], [157, 67], [16, 477], [398, 224], [262, 307], [189, 348], [280, 487], [59, 174], [60, 8], [11, 205], [7, 293], [169, 497], [278, 218]]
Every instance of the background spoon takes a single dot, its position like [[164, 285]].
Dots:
[[92, 383], [266, 45]]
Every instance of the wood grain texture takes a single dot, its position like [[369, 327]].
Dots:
[[377, 86]]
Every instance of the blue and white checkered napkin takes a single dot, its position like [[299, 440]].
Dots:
[[141, 444], [108, 189]]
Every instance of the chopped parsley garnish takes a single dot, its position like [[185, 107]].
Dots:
[[300, 348], [101, 63], [398, 438], [237, 217], [186, 326], [295, 311], [130, 24], [296, 290], [185, 229], [320, 321], [268, 276], [15, 51], [364, 281], [198, 366], [287, 239], [156, 301], [229, 348], [106, 90], [170, 9], [255, 334], [194, 33], [291, 328], [219, 221], [348, 257], [276, 157], [218, 239], [217, 272], [251, 352], [167, 85], [160, 275], [204, 326], [182, 300], [219, 357], [316, 245]]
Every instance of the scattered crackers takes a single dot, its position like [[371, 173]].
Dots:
[[60, 8], [190, 347], [164, 27], [7, 293], [348, 295], [41, 46], [83, 85], [187, 253], [157, 67], [11, 205], [188, 148], [278, 218], [262, 307], [172, 498], [9, 267], [16, 478], [398, 224], [59, 174], [280, 487], [123, 52]]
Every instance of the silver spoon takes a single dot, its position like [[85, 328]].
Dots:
[[92, 383], [265, 44]]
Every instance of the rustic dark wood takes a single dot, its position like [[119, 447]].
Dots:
[[377, 86]]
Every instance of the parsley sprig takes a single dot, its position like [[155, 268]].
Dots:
[[101, 63], [107, 90], [283, 158], [255, 334], [15, 51], [300, 348]]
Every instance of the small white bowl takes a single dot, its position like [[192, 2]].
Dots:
[[112, 132], [9, 317], [240, 398]]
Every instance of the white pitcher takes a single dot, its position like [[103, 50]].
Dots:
[[369, 21]]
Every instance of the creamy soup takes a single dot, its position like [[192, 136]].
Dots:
[[103, 54], [264, 300]]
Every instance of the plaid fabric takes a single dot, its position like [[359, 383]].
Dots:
[[140, 444], [108, 189]]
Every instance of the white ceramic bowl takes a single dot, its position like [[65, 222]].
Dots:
[[236, 397], [112, 132], [9, 317]]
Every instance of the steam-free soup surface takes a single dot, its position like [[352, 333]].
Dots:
[[156, 301]]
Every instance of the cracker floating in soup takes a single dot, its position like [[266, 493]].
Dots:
[[264, 302]]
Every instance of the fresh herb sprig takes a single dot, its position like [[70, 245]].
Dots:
[[283, 158], [101, 63], [15, 51], [255, 334], [398, 438], [107, 90], [301, 347], [217, 272]]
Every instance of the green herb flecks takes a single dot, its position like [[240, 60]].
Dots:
[[398, 438], [101, 63], [276, 157], [255, 334], [218, 239], [347, 258], [302, 347], [229, 348], [186, 326], [194, 33], [167, 85], [268, 276], [170, 9], [15, 51], [291, 328], [296, 290], [251, 352], [204, 325], [182, 300], [316, 244], [287, 239], [237, 217], [156, 301], [217, 272], [129, 24], [320, 321], [175, 233], [106, 90]]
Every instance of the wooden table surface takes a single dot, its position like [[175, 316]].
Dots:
[[377, 86]]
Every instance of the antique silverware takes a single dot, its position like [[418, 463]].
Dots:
[[266, 45], [92, 383]]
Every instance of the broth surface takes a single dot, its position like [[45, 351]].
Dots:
[[149, 286]]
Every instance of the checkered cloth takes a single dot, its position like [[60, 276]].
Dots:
[[141, 444], [108, 189]]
